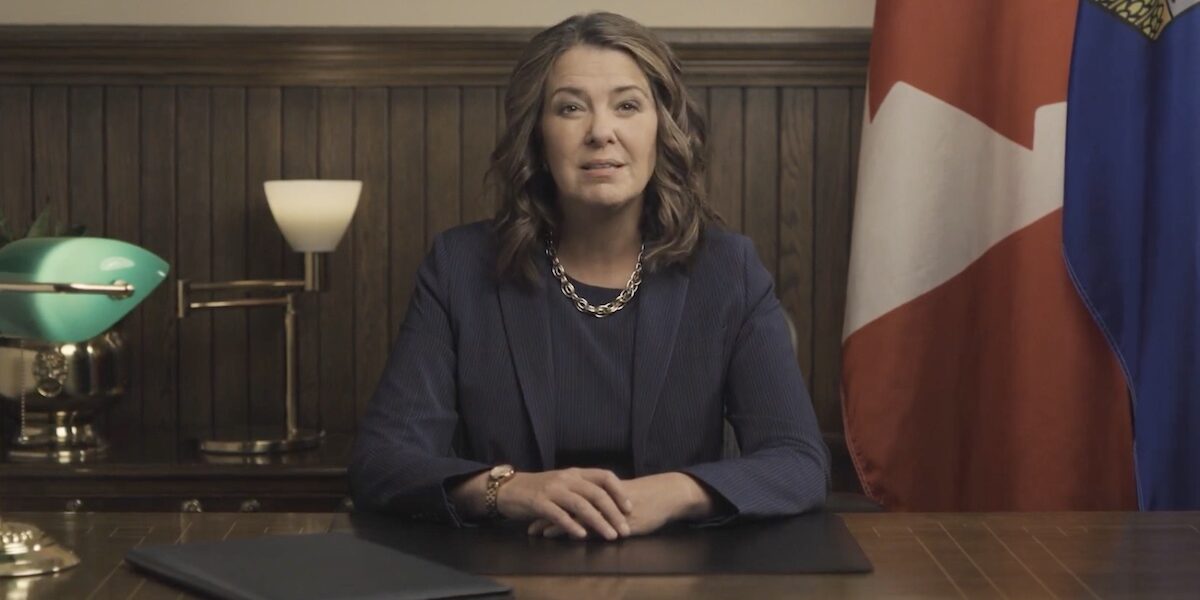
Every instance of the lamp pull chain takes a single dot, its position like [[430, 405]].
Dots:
[[22, 434]]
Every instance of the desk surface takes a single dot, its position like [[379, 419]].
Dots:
[[1059, 555]]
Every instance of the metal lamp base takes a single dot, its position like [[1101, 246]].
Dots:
[[26, 550], [299, 440], [61, 437]]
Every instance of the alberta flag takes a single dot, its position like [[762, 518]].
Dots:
[[1131, 226], [975, 376]]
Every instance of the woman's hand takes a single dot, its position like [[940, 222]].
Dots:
[[657, 500], [574, 501]]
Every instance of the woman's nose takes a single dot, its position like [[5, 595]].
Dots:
[[602, 130]]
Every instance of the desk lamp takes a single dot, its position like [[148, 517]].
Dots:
[[313, 215], [64, 290]]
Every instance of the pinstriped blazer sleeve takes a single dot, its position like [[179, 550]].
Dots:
[[784, 466], [402, 456]]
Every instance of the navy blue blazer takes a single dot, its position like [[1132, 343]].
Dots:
[[472, 365]]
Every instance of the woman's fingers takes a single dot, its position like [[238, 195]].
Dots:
[[612, 485], [581, 508], [544, 528], [557, 516], [538, 526], [599, 498]]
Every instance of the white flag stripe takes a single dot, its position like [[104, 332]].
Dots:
[[936, 188]]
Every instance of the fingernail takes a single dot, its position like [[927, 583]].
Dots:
[[624, 529]]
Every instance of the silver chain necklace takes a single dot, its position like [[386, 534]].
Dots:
[[585, 307]]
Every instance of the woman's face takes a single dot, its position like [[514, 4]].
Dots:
[[599, 128]]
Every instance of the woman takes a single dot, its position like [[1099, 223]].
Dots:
[[582, 351]]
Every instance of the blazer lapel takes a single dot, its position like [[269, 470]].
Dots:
[[527, 327], [662, 296]]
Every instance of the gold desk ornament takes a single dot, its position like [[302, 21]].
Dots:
[[27, 550], [313, 215]]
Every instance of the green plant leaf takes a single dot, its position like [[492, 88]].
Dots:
[[43, 225], [6, 235]]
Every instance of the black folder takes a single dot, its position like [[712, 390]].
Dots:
[[306, 567]]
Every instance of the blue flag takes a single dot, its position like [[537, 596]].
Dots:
[[1131, 227]]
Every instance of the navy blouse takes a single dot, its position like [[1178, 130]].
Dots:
[[593, 380]]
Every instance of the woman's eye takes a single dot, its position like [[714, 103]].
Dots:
[[567, 109], [628, 106]]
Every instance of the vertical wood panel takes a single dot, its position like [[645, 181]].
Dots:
[[796, 218], [160, 343], [725, 149], [195, 218], [50, 159], [16, 158], [857, 97], [86, 148], [122, 147], [300, 162], [832, 250], [336, 161], [501, 120], [16, 164], [407, 205], [699, 95], [442, 163], [370, 234], [231, 404], [478, 133], [761, 198], [264, 259]]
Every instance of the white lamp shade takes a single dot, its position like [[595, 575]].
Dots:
[[313, 213]]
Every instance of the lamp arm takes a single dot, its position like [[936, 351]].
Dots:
[[118, 289], [246, 285], [312, 282]]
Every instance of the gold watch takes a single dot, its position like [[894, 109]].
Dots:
[[498, 476]]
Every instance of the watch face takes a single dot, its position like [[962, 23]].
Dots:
[[500, 471]]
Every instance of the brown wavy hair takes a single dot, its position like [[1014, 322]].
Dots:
[[675, 211]]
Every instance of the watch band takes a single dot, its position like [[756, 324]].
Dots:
[[498, 476]]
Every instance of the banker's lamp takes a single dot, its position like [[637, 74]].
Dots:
[[64, 290], [313, 215]]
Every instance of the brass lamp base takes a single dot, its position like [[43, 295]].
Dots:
[[298, 440], [57, 438], [26, 550]]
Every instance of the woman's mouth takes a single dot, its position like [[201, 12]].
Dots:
[[602, 168]]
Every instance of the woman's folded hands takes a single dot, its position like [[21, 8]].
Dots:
[[585, 502]]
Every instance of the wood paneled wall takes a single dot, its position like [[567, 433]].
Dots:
[[163, 137]]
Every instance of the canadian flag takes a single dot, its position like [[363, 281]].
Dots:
[[973, 377]]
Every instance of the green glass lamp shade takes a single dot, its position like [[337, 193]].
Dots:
[[70, 317]]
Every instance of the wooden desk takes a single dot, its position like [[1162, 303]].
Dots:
[[1064, 555]]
